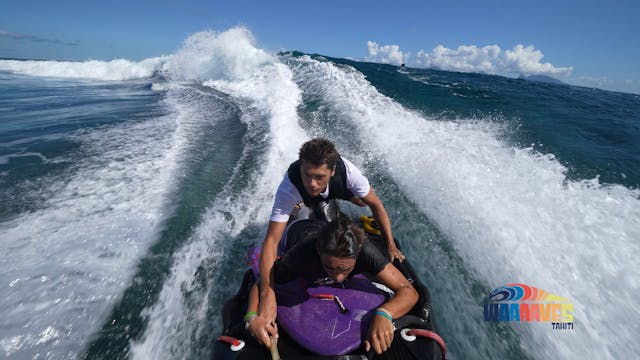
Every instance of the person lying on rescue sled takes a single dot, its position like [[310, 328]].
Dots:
[[337, 251], [319, 174]]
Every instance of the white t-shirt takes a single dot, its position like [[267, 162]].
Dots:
[[288, 196]]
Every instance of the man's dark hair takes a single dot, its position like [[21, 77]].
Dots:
[[318, 152], [341, 239]]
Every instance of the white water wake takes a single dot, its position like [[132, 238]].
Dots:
[[511, 214], [232, 64], [67, 262]]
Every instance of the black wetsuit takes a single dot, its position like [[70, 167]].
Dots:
[[302, 259]]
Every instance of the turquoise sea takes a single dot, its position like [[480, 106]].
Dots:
[[130, 192]]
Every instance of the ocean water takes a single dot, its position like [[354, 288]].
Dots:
[[130, 192]]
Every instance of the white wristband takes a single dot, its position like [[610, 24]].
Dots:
[[248, 321]]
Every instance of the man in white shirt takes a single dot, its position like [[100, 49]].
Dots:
[[319, 174]]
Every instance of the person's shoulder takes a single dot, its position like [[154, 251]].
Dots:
[[372, 256], [348, 163], [351, 169], [286, 181], [301, 254], [356, 181], [287, 188], [286, 197], [369, 248], [301, 230]]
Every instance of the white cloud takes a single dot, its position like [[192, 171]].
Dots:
[[491, 59], [386, 54], [521, 60]]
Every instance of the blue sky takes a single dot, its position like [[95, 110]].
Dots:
[[587, 43]]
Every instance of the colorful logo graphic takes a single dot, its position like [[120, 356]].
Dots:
[[524, 303]]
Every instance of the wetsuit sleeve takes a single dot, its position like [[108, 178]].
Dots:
[[357, 183], [283, 270], [287, 196], [370, 260], [295, 263]]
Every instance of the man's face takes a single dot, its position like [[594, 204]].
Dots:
[[337, 268], [315, 178]]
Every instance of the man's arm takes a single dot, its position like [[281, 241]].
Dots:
[[380, 215], [381, 328], [267, 307]]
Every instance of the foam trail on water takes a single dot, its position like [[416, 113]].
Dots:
[[68, 261], [114, 70], [510, 212], [231, 63]]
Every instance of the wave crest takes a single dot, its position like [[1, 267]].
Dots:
[[114, 70], [205, 55]]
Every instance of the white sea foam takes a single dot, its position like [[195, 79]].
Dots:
[[204, 55], [208, 55], [68, 261], [512, 215], [6, 158], [114, 70], [229, 62]]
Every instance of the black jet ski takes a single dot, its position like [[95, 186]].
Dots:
[[330, 321]]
